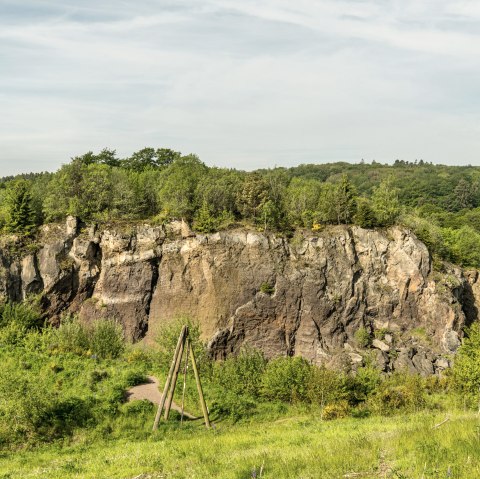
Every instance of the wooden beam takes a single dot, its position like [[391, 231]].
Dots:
[[187, 347], [173, 384], [199, 388], [169, 377]]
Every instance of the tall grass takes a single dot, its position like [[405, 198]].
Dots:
[[294, 447]]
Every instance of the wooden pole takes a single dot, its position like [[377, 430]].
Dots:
[[169, 378], [187, 347], [173, 384], [199, 388]]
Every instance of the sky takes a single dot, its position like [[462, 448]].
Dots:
[[241, 83]]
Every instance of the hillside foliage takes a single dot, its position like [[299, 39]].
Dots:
[[441, 204]]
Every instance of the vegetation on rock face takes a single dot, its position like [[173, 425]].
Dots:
[[440, 203]]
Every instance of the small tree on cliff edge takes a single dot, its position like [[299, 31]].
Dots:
[[20, 213]]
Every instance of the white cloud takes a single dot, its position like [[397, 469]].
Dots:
[[242, 83]]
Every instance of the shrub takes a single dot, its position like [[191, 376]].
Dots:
[[12, 334], [233, 405], [336, 410], [359, 386], [401, 391], [97, 377], [267, 288], [286, 379], [106, 340], [363, 338], [134, 408], [134, 377], [103, 338], [324, 386], [63, 416], [241, 374], [31, 412], [25, 315], [466, 368], [71, 336]]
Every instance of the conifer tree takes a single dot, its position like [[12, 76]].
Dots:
[[205, 222], [20, 212], [345, 201]]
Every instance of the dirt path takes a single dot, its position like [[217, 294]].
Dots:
[[151, 392]]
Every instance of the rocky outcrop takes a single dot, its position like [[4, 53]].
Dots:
[[333, 297]]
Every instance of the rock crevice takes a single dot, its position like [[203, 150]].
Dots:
[[323, 289]]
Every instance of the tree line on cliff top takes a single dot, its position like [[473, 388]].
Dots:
[[441, 204]]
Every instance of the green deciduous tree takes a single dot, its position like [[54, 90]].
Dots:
[[149, 158], [79, 189], [385, 203], [219, 189], [337, 202], [176, 195], [464, 245], [302, 197], [105, 157], [252, 196]]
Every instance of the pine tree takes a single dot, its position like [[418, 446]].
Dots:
[[205, 222], [365, 216], [20, 213], [345, 201]]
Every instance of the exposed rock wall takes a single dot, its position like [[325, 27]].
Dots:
[[318, 291]]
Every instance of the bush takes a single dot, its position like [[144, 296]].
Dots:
[[363, 338], [233, 405], [324, 386], [25, 315], [359, 386], [12, 334], [30, 411], [466, 368], [142, 407], [336, 410], [134, 377], [106, 339], [241, 374], [103, 338], [401, 391], [63, 416], [286, 379], [71, 336], [267, 288], [97, 377]]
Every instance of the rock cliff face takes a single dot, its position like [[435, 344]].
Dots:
[[333, 297]]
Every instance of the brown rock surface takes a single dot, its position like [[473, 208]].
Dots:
[[305, 296]]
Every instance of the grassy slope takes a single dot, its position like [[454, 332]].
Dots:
[[295, 447]]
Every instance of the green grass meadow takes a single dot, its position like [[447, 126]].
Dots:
[[64, 412], [298, 446]]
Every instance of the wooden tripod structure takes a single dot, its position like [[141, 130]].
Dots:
[[183, 345]]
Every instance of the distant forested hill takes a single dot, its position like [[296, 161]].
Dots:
[[441, 204]]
